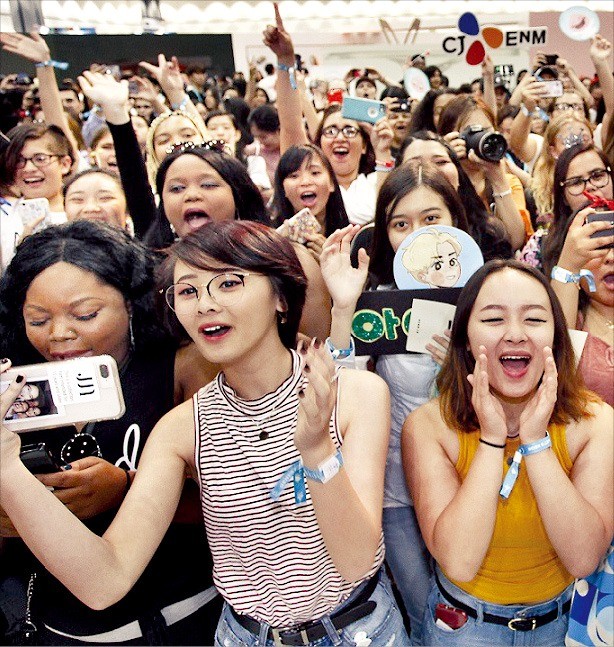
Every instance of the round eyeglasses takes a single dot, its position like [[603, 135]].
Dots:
[[40, 160], [225, 289], [349, 132], [560, 107], [598, 179]]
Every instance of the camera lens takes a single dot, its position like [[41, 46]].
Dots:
[[493, 147]]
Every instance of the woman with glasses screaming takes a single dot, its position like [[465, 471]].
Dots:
[[289, 455], [81, 289]]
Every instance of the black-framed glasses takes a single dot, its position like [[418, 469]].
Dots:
[[349, 132], [218, 145], [598, 179], [225, 289], [40, 160], [80, 446]]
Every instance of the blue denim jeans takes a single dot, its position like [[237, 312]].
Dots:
[[410, 564], [475, 632], [383, 627]]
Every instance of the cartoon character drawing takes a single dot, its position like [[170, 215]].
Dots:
[[433, 258]]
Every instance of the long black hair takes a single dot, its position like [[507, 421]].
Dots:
[[248, 201], [290, 162], [490, 234]]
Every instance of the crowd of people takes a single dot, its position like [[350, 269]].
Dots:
[[266, 486]]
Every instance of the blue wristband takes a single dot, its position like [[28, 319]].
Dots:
[[339, 353], [61, 65], [524, 450], [290, 70], [562, 275]]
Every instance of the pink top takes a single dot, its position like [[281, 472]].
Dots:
[[597, 366]]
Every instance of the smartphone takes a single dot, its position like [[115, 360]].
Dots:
[[38, 459], [300, 223], [113, 70], [56, 394], [34, 209], [133, 88], [450, 617], [552, 89], [504, 70], [551, 59], [602, 216], [363, 109], [334, 96]]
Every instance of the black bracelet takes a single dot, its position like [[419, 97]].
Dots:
[[128, 482], [492, 444]]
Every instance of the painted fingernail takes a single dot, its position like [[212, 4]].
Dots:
[[301, 394], [303, 349], [316, 343], [19, 379], [299, 346], [306, 368], [4, 360], [67, 467]]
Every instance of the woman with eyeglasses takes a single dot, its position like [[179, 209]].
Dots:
[[359, 153], [567, 190], [289, 455], [82, 289], [573, 245]]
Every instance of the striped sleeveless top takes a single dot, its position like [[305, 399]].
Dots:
[[270, 561]]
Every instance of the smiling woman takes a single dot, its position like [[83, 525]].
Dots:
[[513, 435]]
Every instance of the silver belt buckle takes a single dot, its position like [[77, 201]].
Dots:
[[512, 624]]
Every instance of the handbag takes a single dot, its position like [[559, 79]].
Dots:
[[591, 617]]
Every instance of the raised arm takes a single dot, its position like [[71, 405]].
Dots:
[[601, 51], [488, 77], [35, 49], [457, 519], [529, 92], [578, 250], [277, 39], [70, 551], [579, 87], [349, 506], [168, 75], [344, 282], [112, 97]]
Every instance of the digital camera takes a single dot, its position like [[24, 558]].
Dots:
[[487, 144]]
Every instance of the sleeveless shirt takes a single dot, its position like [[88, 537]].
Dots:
[[521, 566], [270, 560]]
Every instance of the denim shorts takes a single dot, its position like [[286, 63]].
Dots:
[[382, 628], [487, 634]]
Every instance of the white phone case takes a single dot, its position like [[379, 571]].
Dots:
[[85, 389]]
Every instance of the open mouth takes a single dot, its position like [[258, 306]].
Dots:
[[608, 280], [340, 152], [33, 181], [308, 198], [195, 218], [214, 331], [515, 365]]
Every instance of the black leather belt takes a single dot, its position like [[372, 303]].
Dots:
[[303, 634], [528, 623]]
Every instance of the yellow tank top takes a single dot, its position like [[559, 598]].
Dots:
[[521, 566]]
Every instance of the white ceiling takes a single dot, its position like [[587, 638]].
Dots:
[[198, 16]]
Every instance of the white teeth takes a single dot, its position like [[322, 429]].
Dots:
[[515, 357], [213, 329]]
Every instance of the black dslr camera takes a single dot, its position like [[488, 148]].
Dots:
[[486, 144]]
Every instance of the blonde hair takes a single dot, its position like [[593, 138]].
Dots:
[[418, 256], [152, 162], [542, 182]]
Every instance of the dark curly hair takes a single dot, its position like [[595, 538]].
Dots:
[[105, 251]]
